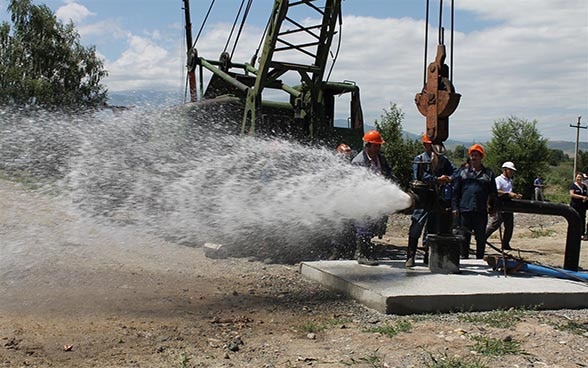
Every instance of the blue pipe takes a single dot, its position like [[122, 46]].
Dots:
[[544, 271]]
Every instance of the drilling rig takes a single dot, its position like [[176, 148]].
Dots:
[[305, 111]]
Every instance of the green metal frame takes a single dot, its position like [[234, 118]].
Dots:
[[286, 37]]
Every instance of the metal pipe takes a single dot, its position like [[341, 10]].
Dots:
[[574, 234], [223, 75], [286, 88]]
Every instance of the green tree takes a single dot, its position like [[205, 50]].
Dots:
[[519, 141], [556, 156], [43, 62], [398, 150], [460, 152], [582, 161]]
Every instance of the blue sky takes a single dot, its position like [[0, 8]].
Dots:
[[524, 58]]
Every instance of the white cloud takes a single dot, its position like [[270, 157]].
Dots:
[[73, 11], [104, 28], [144, 65]]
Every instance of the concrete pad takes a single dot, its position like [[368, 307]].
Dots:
[[393, 289]]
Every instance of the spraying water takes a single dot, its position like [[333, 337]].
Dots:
[[161, 172]]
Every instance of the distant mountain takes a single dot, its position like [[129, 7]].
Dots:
[[568, 147], [145, 98], [171, 98]]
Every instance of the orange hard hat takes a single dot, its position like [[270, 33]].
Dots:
[[373, 137], [343, 148], [477, 147], [426, 139]]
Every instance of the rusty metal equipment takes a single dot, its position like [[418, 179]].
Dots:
[[438, 100]]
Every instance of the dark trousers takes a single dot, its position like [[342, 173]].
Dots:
[[364, 232], [418, 220], [506, 218], [474, 222], [433, 222]]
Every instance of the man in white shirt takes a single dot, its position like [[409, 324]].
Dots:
[[504, 187]]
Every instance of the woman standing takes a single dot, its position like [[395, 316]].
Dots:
[[578, 198]]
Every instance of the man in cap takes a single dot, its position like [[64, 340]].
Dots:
[[371, 158], [436, 172], [504, 188], [473, 189]]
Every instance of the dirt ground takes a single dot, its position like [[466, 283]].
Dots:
[[74, 293]]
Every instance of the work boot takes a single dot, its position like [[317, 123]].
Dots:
[[465, 251], [367, 261], [363, 253], [411, 251], [409, 262]]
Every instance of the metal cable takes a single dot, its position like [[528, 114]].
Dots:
[[440, 22], [241, 26], [203, 22], [451, 42], [426, 44], [233, 27]]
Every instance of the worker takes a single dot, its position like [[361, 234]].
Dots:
[[539, 185], [437, 172], [345, 152], [504, 188], [578, 199], [372, 158], [474, 195]]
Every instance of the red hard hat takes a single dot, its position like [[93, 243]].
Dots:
[[426, 139], [373, 136], [343, 148], [477, 147]]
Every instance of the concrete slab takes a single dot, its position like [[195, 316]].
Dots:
[[393, 289]]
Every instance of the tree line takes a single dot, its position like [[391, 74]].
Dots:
[[43, 63], [513, 139]]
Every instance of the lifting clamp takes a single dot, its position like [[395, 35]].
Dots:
[[438, 100]]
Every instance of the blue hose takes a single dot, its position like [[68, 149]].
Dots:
[[544, 270]]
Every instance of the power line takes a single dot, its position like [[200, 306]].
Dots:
[[578, 127]]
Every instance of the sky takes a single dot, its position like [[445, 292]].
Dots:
[[526, 59]]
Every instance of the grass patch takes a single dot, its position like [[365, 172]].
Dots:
[[314, 326], [391, 331], [374, 360], [496, 347], [184, 360], [538, 233], [498, 318], [572, 326], [445, 361]]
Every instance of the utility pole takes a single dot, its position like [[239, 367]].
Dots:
[[578, 127]]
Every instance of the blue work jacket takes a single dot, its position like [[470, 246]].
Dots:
[[471, 190]]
